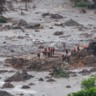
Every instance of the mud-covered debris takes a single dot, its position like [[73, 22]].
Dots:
[[41, 79], [19, 77], [68, 86], [50, 80], [84, 72], [53, 16], [89, 60], [72, 22], [7, 85], [22, 23], [45, 14], [34, 64], [34, 26], [25, 87], [31, 84], [5, 93], [56, 16], [58, 33]]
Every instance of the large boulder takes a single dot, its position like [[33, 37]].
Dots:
[[25, 87], [4, 93], [89, 60], [7, 85], [72, 22], [56, 16], [19, 77], [58, 33], [18, 24], [22, 23]]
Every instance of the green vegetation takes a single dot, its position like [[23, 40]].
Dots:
[[88, 92], [89, 88], [88, 83], [81, 3], [60, 73], [3, 19]]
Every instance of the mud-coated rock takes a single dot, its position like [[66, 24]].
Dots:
[[25, 87], [4, 93], [19, 77], [89, 60], [58, 33], [56, 16], [7, 85]]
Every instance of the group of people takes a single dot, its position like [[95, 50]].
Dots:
[[75, 51], [48, 52]]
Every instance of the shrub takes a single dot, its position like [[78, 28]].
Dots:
[[81, 3], [3, 20], [88, 83], [60, 73], [87, 92]]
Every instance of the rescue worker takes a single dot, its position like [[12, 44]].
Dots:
[[48, 53], [74, 50], [79, 54], [45, 51], [66, 51], [63, 57], [38, 54], [53, 50], [78, 48], [67, 58]]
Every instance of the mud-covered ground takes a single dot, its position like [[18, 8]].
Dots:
[[65, 30]]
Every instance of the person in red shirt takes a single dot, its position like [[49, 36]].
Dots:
[[67, 58], [45, 51], [79, 54]]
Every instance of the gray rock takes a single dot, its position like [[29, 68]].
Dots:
[[58, 33], [19, 77], [56, 16], [33, 26], [89, 60], [25, 87], [71, 22], [7, 85], [4, 93]]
